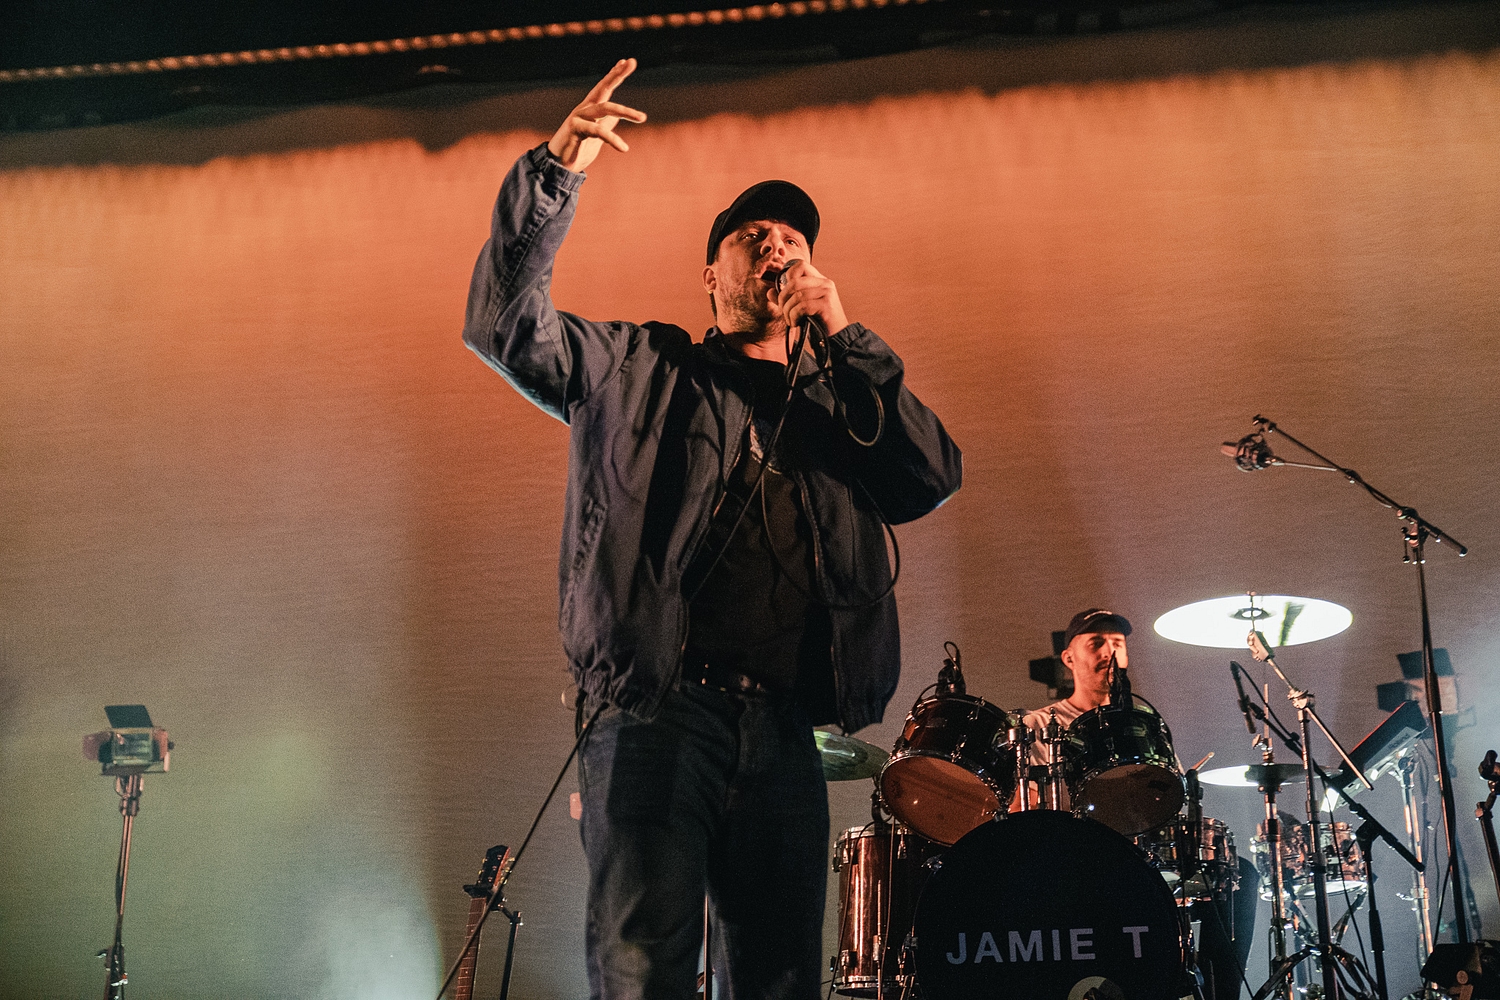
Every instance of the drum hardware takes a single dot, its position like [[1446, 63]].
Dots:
[[1416, 532], [1351, 866], [1018, 740], [1307, 714], [1052, 738]]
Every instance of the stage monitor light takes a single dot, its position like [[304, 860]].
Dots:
[[1225, 622]]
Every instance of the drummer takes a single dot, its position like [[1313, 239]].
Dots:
[[1091, 640]]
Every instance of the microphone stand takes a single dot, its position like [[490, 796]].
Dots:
[[1415, 533], [1368, 832], [1484, 812], [1307, 714]]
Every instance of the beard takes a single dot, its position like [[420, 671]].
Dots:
[[748, 311]]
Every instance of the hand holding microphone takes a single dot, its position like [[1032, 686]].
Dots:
[[802, 291]]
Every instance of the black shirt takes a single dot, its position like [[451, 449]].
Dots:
[[756, 613]]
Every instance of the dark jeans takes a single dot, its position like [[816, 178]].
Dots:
[[723, 793]]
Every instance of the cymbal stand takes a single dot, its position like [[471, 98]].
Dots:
[[1307, 714], [1277, 949], [1416, 531]]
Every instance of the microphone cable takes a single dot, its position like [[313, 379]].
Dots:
[[823, 372]]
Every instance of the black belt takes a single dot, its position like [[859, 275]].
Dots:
[[698, 670]]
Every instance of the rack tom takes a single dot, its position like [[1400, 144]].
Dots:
[[950, 770], [1121, 769]]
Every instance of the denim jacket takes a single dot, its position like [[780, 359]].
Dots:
[[657, 422]]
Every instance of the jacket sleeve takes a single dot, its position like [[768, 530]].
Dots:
[[914, 466], [553, 358]]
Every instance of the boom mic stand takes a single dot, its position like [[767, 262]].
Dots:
[[1416, 531]]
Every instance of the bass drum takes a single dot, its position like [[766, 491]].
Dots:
[[947, 773], [1044, 907]]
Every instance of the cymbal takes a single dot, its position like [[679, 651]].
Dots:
[[1225, 622], [1252, 775], [848, 759]]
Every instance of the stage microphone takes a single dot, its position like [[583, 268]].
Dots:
[[811, 326], [1250, 453], [950, 679], [1234, 671], [1119, 684]]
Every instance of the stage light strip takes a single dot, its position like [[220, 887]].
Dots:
[[457, 39]]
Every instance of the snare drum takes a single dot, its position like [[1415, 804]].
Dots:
[[881, 874], [1205, 855], [1121, 769], [946, 774], [1344, 862]]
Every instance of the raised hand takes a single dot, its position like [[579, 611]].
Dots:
[[590, 125]]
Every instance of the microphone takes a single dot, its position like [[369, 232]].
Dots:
[[950, 679], [1234, 671], [811, 329], [1119, 684], [1250, 453]]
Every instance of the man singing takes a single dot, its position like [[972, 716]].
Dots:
[[724, 579]]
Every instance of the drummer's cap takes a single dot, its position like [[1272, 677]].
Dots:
[[1095, 620]]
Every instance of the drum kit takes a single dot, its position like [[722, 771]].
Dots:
[[1013, 860]]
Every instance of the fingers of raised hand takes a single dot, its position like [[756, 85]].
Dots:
[[602, 130], [607, 109], [616, 76]]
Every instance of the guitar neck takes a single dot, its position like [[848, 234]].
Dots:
[[463, 982]]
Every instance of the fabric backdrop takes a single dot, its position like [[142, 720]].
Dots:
[[252, 478]]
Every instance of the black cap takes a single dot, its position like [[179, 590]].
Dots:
[[1095, 620], [779, 201]]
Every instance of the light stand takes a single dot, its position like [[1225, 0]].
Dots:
[[1416, 531], [129, 789], [127, 750]]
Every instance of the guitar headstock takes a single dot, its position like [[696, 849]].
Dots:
[[494, 870]]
